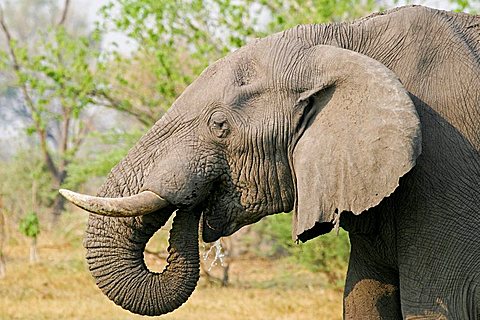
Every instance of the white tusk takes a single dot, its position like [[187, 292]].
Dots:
[[137, 205]]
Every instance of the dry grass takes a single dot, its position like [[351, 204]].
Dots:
[[60, 287]]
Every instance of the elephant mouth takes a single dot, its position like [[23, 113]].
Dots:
[[213, 227], [209, 233], [222, 214]]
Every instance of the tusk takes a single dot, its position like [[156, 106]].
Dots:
[[133, 206]]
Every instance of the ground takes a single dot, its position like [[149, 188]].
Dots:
[[60, 287]]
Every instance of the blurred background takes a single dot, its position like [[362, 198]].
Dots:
[[80, 82]]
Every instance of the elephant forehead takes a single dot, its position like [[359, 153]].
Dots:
[[250, 70], [205, 89], [278, 52], [219, 83], [258, 59]]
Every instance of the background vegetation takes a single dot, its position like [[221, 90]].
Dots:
[[75, 96]]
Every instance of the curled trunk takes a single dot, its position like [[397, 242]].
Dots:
[[115, 248]]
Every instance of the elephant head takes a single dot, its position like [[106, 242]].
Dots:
[[279, 124]]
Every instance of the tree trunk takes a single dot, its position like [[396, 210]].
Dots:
[[33, 251], [2, 241], [225, 277], [59, 201], [57, 209], [3, 266]]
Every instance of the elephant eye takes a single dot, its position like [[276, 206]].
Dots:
[[219, 125]]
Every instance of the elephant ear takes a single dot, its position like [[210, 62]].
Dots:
[[361, 134]]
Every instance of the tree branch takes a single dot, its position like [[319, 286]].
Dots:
[[81, 135], [102, 98], [64, 13], [8, 36]]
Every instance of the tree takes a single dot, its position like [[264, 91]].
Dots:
[[175, 40], [30, 227], [25, 189], [56, 81]]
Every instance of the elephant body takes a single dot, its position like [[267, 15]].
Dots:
[[409, 252], [372, 125]]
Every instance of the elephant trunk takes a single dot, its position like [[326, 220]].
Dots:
[[115, 249]]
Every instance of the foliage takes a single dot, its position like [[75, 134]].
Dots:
[[99, 163], [327, 253], [57, 80], [175, 41], [286, 14], [23, 181], [30, 225], [472, 6]]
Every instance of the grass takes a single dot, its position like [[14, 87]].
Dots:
[[60, 287]]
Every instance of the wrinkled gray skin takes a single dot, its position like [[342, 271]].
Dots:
[[286, 123]]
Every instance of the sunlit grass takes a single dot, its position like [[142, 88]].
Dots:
[[60, 287]]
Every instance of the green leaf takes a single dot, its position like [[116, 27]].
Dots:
[[30, 130], [29, 225]]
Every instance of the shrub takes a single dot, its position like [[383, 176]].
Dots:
[[327, 253]]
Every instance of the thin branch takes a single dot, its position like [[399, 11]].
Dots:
[[64, 13], [7, 34], [63, 146], [102, 98], [81, 135], [211, 278], [64, 131]]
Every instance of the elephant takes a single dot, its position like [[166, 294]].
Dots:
[[372, 126]]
